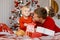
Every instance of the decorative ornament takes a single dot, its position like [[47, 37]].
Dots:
[[16, 3]]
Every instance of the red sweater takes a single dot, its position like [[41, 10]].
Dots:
[[22, 21], [50, 24]]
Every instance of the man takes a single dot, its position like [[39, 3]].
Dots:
[[41, 18]]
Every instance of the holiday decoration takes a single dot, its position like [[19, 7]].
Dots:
[[45, 31]]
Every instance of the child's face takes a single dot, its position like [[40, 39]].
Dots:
[[26, 11]]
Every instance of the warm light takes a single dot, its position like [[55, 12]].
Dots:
[[47, 9]]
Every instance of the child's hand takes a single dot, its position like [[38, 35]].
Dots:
[[25, 24]]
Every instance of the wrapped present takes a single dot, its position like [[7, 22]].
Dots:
[[30, 27], [45, 31], [36, 35], [20, 33]]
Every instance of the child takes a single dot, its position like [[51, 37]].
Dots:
[[25, 20]]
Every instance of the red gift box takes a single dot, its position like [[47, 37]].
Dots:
[[36, 35]]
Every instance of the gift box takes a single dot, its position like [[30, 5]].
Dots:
[[36, 35]]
